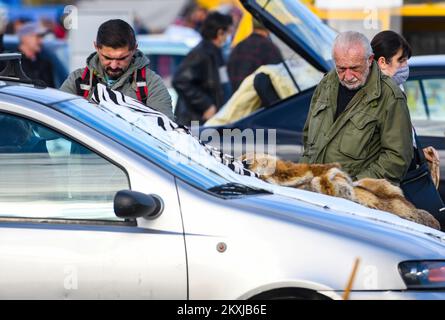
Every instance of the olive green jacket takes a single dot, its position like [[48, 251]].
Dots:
[[158, 96], [371, 138]]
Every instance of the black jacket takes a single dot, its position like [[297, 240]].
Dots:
[[197, 83], [38, 69]]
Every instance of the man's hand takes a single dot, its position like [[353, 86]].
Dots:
[[210, 112]]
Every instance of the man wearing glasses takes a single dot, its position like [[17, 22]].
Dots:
[[118, 64]]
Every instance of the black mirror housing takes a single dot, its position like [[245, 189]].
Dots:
[[130, 204]]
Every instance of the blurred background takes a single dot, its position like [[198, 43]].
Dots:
[[171, 26]]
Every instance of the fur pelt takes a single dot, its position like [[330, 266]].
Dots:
[[331, 180]]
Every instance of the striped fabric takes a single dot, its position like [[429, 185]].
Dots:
[[142, 116]]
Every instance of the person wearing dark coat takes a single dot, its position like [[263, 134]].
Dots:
[[250, 54], [198, 80], [34, 66]]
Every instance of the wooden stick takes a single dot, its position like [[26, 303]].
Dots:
[[351, 279]]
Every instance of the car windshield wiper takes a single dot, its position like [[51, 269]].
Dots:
[[232, 189]]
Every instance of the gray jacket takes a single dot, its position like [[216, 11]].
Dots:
[[158, 96]]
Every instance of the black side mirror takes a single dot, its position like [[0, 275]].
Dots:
[[131, 204]]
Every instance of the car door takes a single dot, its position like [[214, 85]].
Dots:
[[59, 236], [426, 103]]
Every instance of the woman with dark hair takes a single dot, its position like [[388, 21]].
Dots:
[[391, 52]]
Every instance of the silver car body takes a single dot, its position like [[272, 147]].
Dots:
[[202, 246]]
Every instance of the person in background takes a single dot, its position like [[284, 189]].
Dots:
[[118, 64], [189, 22], [358, 116], [251, 53], [392, 52], [200, 77], [140, 27], [56, 29], [236, 15], [13, 26], [31, 40]]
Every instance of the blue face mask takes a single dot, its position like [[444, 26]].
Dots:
[[401, 75]]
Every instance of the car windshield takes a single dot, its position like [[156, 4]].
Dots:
[[179, 154], [303, 25]]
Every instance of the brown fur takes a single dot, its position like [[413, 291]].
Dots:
[[331, 180]]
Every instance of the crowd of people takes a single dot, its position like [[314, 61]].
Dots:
[[358, 115]]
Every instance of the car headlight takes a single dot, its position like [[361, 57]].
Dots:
[[423, 274]]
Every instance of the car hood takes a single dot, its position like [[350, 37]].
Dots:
[[406, 238], [335, 208], [298, 27]]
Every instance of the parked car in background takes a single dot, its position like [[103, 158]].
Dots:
[[425, 91], [131, 211], [311, 40]]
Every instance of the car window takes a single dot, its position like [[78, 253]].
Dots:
[[304, 74], [44, 174], [304, 25], [174, 152], [415, 100], [435, 96]]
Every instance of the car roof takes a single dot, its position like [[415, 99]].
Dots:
[[45, 95], [427, 61]]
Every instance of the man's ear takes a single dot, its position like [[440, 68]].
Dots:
[[95, 45], [370, 59]]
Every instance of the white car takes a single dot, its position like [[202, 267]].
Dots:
[[97, 203]]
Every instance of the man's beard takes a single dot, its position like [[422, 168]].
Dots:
[[114, 74], [357, 84]]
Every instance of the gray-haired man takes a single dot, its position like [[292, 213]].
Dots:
[[358, 116]]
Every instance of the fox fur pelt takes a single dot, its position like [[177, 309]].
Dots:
[[331, 180]]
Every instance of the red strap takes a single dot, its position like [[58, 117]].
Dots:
[[138, 95], [85, 72], [143, 73], [141, 76], [144, 76]]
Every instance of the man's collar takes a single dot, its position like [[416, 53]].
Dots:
[[373, 84]]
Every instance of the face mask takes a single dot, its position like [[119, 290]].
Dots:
[[401, 75]]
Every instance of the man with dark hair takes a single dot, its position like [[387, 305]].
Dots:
[[250, 54], [199, 78], [118, 64]]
